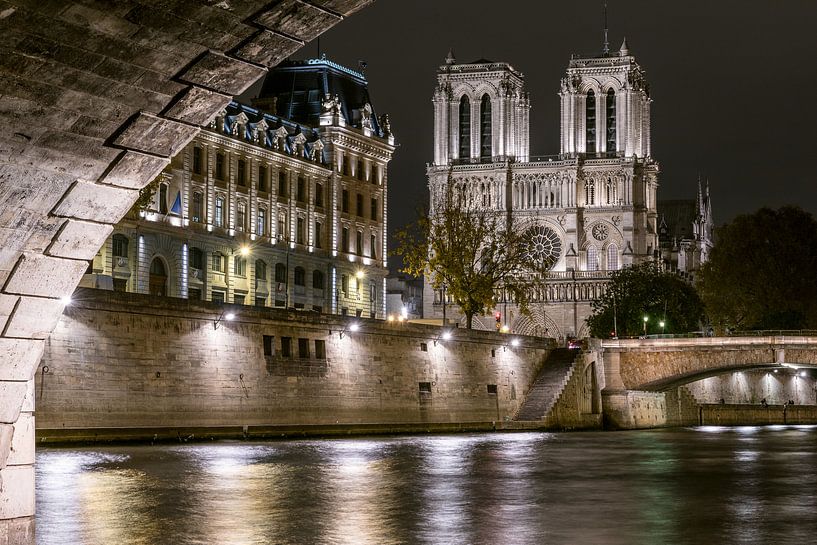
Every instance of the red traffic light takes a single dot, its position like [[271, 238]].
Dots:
[[498, 316]]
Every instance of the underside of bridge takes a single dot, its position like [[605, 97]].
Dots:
[[96, 96]]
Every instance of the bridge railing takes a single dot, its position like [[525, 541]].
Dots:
[[774, 333]]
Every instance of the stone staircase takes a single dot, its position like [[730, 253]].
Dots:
[[548, 386]]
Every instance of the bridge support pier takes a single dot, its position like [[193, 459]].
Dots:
[[17, 470], [633, 409]]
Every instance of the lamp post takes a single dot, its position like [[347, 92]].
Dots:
[[662, 324], [646, 318]]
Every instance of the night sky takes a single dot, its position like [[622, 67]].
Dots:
[[734, 84]]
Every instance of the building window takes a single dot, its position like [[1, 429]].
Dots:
[[590, 122], [611, 121], [194, 294], [373, 209], [359, 243], [300, 276], [372, 293], [301, 193], [345, 163], [163, 198], [219, 166], [592, 259], [320, 349], [590, 192], [344, 240], [359, 204], [197, 207], [261, 224], [239, 266], [283, 233], [486, 150], [269, 345], [241, 175], [157, 281], [241, 217], [239, 298], [465, 128], [344, 201], [318, 235], [319, 194], [280, 273], [218, 296], [317, 279], [360, 170], [262, 178], [344, 284], [286, 347], [373, 248], [375, 174], [120, 245], [218, 217], [196, 160], [260, 272], [282, 183], [196, 258], [218, 262], [299, 232], [303, 348], [612, 258], [260, 301]]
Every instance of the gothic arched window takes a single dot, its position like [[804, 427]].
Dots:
[[592, 258], [465, 128], [485, 127], [612, 258], [590, 122], [611, 121], [590, 191]]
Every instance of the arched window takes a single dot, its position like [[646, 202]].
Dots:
[[612, 258], [300, 276], [590, 122], [280, 272], [260, 271], [611, 121], [590, 192], [120, 245], [158, 278], [486, 150], [317, 279], [465, 128], [592, 258]]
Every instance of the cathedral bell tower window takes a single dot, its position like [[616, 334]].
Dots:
[[590, 122], [485, 127], [465, 128], [611, 121]]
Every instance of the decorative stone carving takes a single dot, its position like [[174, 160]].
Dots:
[[331, 104], [279, 137], [366, 116], [317, 149], [600, 231]]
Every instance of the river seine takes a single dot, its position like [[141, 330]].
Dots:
[[700, 485]]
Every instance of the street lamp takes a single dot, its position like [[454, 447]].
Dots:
[[662, 324], [646, 318]]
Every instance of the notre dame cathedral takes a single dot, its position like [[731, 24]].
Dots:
[[589, 210]]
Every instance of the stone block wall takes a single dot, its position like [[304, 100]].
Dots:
[[127, 360], [752, 387]]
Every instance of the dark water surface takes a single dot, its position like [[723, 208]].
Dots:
[[703, 485]]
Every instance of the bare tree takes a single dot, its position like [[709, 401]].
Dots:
[[474, 251]]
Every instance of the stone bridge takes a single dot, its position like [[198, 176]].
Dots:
[[641, 376], [662, 364], [96, 96]]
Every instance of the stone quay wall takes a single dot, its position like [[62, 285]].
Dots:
[[120, 361]]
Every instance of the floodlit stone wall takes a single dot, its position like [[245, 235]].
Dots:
[[119, 360]]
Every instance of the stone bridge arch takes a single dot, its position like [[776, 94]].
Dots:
[[663, 364], [95, 98]]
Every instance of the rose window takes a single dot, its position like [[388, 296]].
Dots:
[[600, 231], [544, 245]]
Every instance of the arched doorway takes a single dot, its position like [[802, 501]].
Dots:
[[158, 278]]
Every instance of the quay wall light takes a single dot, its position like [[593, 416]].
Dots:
[[354, 327], [228, 316]]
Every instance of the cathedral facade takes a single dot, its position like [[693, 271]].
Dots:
[[589, 210]]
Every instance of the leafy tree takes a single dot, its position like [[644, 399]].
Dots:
[[645, 290], [473, 252], [760, 273]]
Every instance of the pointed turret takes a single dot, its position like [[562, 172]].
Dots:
[[450, 59], [624, 51]]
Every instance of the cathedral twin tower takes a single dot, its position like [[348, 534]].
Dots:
[[589, 210]]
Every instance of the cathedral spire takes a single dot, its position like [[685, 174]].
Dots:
[[606, 49], [450, 59]]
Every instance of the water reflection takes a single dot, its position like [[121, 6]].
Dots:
[[708, 485]]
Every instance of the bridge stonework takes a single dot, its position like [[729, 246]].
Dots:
[[95, 98], [637, 372]]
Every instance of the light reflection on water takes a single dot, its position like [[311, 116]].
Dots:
[[707, 485]]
